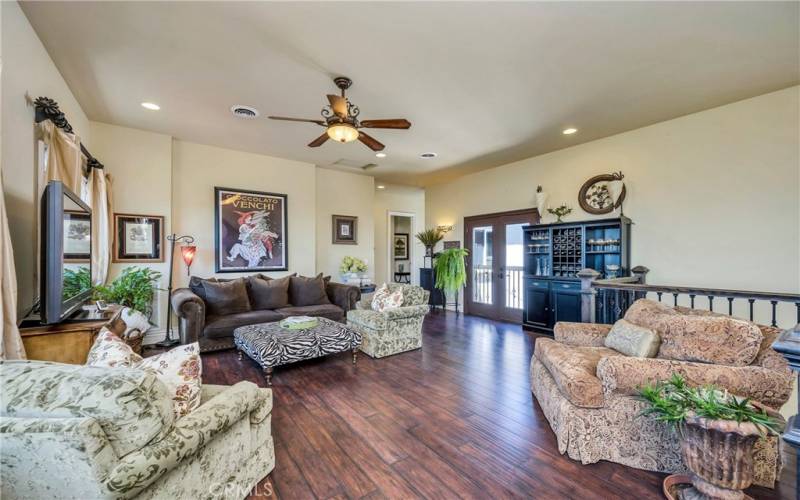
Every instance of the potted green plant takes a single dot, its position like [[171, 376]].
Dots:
[[450, 269], [429, 238], [135, 288], [717, 430]]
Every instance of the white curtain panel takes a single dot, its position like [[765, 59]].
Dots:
[[11, 346], [63, 161], [102, 224]]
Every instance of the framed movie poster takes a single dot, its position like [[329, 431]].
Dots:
[[77, 236], [400, 246], [138, 238], [250, 231], [345, 230]]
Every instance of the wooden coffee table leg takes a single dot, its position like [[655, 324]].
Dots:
[[268, 375], [355, 354]]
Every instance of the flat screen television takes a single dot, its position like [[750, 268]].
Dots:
[[65, 254]]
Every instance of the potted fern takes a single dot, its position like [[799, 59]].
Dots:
[[450, 270], [718, 432]]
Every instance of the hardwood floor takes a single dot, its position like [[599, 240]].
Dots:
[[454, 419]]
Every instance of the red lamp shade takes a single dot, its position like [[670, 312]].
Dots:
[[188, 255]]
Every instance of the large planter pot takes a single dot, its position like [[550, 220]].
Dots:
[[719, 453]]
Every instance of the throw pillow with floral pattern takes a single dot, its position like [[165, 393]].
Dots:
[[180, 369], [384, 300], [111, 351]]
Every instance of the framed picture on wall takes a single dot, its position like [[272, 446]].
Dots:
[[250, 231], [400, 246], [138, 238], [345, 230], [77, 236]]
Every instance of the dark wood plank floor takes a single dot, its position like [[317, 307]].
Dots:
[[455, 419]]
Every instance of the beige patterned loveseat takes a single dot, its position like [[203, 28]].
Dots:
[[587, 391], [70, 431], [393, 331]]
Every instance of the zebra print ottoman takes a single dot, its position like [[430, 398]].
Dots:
[[271, 345]]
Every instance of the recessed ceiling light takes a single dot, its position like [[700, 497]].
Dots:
[[151, 106], [380, 155], [381, 186], [428, 155], [569, 131]]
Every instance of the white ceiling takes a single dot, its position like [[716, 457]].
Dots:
[[483, 83]]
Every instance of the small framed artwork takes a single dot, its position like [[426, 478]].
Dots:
[[77, 236], [138, 238], [400, 246], [345, 230], [452, 244]]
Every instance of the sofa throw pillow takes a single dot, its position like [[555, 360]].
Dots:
[[385, 300], [110, 351], [180, 369], [633, 340], [305, 291], [269, 294], [228, 297]]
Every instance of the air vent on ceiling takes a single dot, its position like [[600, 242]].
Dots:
[[242, 111], [369, 166], [354, 164]]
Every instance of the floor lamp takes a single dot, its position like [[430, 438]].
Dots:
[[188, 252]]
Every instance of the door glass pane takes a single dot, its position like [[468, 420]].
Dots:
[[513, 266], [482, 276]]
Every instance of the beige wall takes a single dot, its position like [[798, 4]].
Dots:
[[27, 70], [197, 169], [343, 193], [714, 196], [397, 198], [140, 164]]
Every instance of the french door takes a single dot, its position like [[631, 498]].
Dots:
[[495, 264]]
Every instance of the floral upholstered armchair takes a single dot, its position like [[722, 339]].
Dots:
[[71, 431], [588, 391], [395, 330]]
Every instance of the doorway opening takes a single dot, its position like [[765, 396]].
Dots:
[[401, 248]]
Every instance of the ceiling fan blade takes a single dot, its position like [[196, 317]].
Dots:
[[370, 142], [319, 141], [338, 105], [391, 123], [318, 122]]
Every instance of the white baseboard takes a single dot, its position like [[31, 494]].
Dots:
[[155, 335]]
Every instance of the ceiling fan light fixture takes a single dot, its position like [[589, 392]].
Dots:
[[342, 132]]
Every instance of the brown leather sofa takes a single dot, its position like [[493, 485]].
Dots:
[[209, 310]]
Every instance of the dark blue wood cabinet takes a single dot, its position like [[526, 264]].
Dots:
[[555, 253]]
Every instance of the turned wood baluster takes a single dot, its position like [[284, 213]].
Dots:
[[675, 299], [774, 307], [751, 307], [730, 306], [711, 303], [691, 298]]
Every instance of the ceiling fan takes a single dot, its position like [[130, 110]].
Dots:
[[341, 122]]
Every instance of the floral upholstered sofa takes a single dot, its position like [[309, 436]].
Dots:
[[587, 391], [70, 431], [395, 330]]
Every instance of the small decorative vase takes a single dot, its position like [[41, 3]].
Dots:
[[541, 203], [719, 453]]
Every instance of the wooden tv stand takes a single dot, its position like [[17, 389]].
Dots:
[[70, 341]]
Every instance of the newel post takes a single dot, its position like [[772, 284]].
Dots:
[[788, 344], [641, 274], [588, 294]]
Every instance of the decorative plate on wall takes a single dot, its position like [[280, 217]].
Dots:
[[595, 196]]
